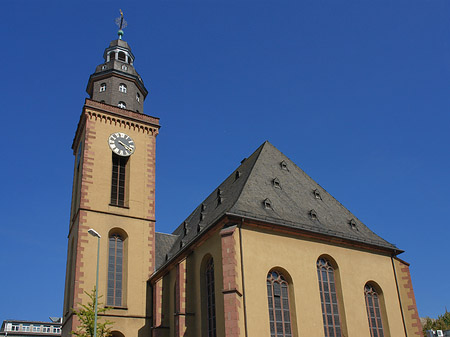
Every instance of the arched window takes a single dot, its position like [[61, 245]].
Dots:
[[122, 105], [138, 97], [116, 334], [278, 296], [115, 270], [121, 56], [328, 298], [118, 180], [123, 88], [102, 87], [210, 298], [373, 311]]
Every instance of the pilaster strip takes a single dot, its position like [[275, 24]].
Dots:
[[180, 302], [231, 292], [157, 303]]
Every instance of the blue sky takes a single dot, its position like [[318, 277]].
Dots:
[[354, 92]]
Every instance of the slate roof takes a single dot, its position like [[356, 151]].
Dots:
[[163, 243], [269, 187]]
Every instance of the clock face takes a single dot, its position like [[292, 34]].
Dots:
[[121, 144]]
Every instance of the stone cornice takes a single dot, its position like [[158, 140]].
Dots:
[[114, 115]]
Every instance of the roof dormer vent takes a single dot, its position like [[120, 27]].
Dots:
[[267, 204], [317, 194], [284, 166], [313, 214], [352, 224], [185, 229], [219, 196], [276, 183], [237, 175]]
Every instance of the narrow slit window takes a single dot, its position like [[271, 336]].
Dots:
[[210, 299]]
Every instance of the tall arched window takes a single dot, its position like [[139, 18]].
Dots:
[[102, 87], [328, 298], [118, 180], [278, 296], [115, 271], [373, 311], [210, 298]]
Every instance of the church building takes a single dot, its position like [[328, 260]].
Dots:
[[268, 253]]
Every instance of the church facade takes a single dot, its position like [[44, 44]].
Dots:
[[268, 253]]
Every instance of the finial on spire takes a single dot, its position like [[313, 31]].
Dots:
[[121, 23]]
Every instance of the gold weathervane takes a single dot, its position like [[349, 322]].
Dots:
[[121, 23]]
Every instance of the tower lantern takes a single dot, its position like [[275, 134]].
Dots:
[[116, 81]]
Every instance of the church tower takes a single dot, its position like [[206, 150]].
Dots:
[[114, 194]]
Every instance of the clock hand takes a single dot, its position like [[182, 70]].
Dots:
[[125, 146]]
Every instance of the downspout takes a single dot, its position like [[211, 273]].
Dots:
[[242, 274], [398, 294]]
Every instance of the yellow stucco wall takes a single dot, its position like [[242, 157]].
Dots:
[[263, 251]]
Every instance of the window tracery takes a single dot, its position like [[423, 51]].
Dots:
[[328, 299], [278, 298]]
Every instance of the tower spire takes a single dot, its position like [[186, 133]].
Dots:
[[121, 23]]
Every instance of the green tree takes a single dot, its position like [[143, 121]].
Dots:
[[86, 315], [440, 323]]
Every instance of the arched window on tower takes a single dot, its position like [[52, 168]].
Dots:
[[138, 97], [122, 105], [373, 307], [115, 270], [278, 297], [102, 87], [123, 88], [116, 334], [210, 298], [122, 56], [328, 298]]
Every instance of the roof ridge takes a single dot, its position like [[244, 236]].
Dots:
[[165, 233], [260, 148]]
